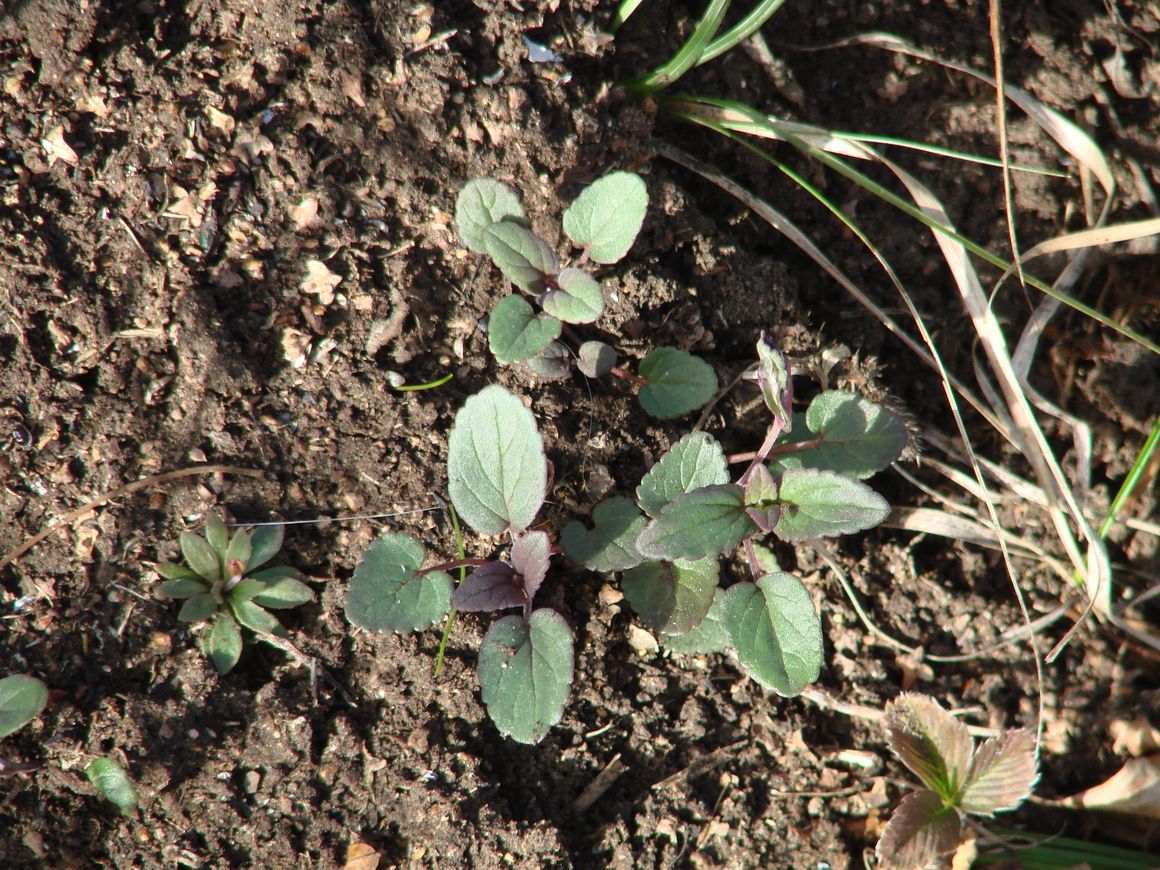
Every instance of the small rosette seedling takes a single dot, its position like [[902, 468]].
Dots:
[[497, 478], [959, 778], [220, 582], [688, 512]]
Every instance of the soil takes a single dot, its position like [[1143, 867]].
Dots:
[[168, 170]]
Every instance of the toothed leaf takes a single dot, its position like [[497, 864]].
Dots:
[[695, 461]]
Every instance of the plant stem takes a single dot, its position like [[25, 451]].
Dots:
[[766, 446], [780, 450], [457, 563], [627, 375]]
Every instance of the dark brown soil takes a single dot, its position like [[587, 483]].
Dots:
[[158, 165]]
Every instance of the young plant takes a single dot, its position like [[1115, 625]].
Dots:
[[220, 582], [497, 477], [111, 780], [688, 513], [22, 698], [960, 779], [526, 326]]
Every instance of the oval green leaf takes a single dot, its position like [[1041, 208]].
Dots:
[[183, 588], [577, 297], [283, 592], [481, 203], [607, 216], [223, 643], [595, 359], [198, 607], [516, 333], [22, 698], [695, 461], [552, 363], [256, 618], [708, 637], [389, 594], [525, 671], [496, 470], [265, 542], [824, 504], [524, 258], [776, 632], [200, 556], [858, 438], [678, 383], [216, 534], [113, 783], [611, 544], [672, 597], [704, 522]]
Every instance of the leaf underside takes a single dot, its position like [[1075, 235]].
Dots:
[[492, 586], [1003, 773]]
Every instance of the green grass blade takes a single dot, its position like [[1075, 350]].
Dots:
[[623, 12], [742, 30], [687, 55], [1135, 475]]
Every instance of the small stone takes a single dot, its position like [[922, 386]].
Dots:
[[251, 781]]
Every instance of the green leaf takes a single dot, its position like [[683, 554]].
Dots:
[[223, 643], [552, 363], [1003, 772], [216, 534], [858, 438], [595, 359], [183, 588], [708, 637], [577, 298], [265, 542], [246, 589], [198, 607], [776, 632], [704, 522], [773, 377], [496, 470], [256, 618], [21, 699], [823, 504], [387, 592], [113, 783], [524, 258], [921, 830], [172, 571], [525, 671], [607, 216], [481, 203], [284, 593], [695, 461], [611, 545], [240, 550], [678, 383], [516, 333], [201, 557], [934, 745], [672, 597]]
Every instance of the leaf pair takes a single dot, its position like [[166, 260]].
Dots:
[[959, 778]]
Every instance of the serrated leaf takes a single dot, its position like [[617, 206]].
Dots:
[[824, 504], [216, 534], [496, 470], [256, 618], [921, 830], [531, 553], [775, 631], [672, 597], [283, 593], [200, 556], [183, 588], [524, 258], [611, 544], [525, 671], [389, 594], [577, 297], [223, 643], [198, 607], [113, 783], [858, 438], [678, 383], [704, 522], [1003, 772], [595, 359], [265, 542], [491, 586], [481, 203], [934, 745], [516, 332], [708, 637], [695, 461], [606, 217], [22, 698], [552, 363]]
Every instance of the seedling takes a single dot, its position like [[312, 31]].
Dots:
[[220, 582], [960, 780], [22, 698], [497, 477], [526, 327], [688, 512], [111, 780]]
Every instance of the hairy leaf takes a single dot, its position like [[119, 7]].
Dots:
[[238, 554], [708, 637], [524, 258], [773, 377], [256, 618], [704, 522], [183, 588], [200, 556], [525, 671], [858, 438], [577, 298], [516, 332], [607, 216], [265, 542], [481, 203], [282, 591], [531, 554], [491, 586], [198, 607], [223, 643], [21, 700], [921, 830], [695, 461], [110, 780], [552, 363], [173, 571], [824, 504], [672, 597], [934, 745], [776, 632], [216, 534], [1003, 772], [389, 594], [678, 383], [611, 545], [595, 359]]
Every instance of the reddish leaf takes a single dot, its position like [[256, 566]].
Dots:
[[530, 554], [491, 586], [934, 745], [1003, 773], [921, 829]]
